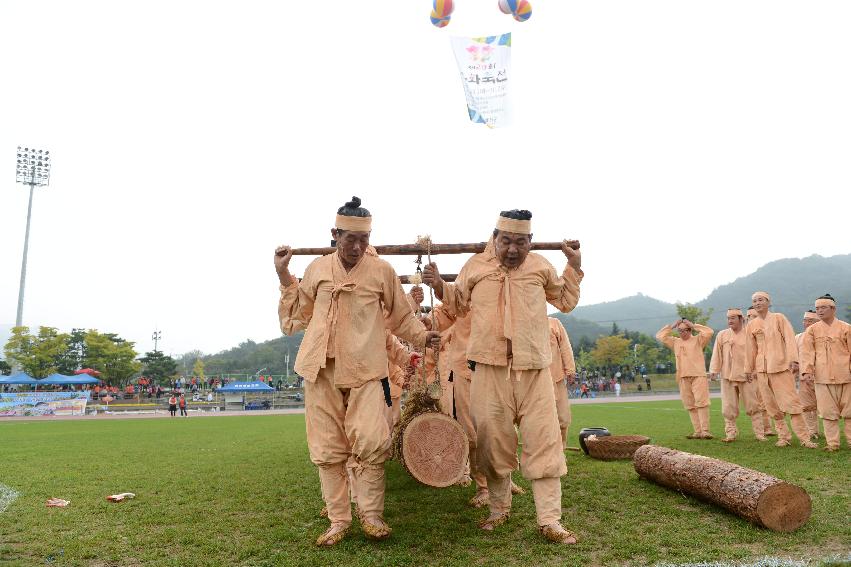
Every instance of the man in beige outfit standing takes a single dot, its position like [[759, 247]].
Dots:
[[728, 363], [826, 359], [806, 387], [691, 371], [771, 355], [563, 370], [768, 423]]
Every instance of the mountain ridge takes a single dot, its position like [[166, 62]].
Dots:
[[791, 294]]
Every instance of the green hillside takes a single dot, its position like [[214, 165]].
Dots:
[[636, 313], [793, 283]]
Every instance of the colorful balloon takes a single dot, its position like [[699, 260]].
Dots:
[[438, 21], [520, 9], [441, 12]]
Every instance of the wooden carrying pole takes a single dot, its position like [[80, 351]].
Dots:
[[445, 277], [757, 497], [417, 249]]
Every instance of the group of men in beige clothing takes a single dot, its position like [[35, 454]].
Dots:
[[758, 361], [352, 308]]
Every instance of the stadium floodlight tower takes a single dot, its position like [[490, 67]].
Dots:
[[33, 169]]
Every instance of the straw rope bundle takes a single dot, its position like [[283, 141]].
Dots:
[[431, 446]]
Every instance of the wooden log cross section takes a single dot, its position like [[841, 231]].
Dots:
[[757, 497]]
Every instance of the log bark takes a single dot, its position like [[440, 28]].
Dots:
[[436, 249], [757, 497]]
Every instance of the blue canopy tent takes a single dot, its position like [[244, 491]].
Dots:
[[19, 378], [247, 388], [62, 380]]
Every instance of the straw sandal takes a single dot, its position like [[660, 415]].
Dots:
[[782, 443], [489, 523], [334, 534], [728, 439], [557, 534], [480, 500], [375, 531], [464, 481], [809, 444], [831, 449], [516, 489], [323, 513]]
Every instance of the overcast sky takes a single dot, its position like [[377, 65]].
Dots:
[[684, 143]]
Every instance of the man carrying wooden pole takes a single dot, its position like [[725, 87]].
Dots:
[[508, 289], [341, 305]]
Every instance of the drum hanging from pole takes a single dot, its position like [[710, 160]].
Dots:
[[434, 449]]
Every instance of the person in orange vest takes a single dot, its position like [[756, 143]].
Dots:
[[182, 403], [172, 405]]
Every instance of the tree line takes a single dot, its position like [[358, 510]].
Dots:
[[49, 351], [620, 349]]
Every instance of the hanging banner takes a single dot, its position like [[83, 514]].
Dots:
[[43, 403], [33, 398], [485, 67]]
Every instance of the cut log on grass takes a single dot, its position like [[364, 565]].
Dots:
[[418, 249], [759, 498]]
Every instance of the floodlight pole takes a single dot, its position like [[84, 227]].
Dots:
[[33, 168], [20, 317]]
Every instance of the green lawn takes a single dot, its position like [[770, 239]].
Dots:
[[242, 491]]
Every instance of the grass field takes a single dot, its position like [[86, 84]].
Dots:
[[241, 491]]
